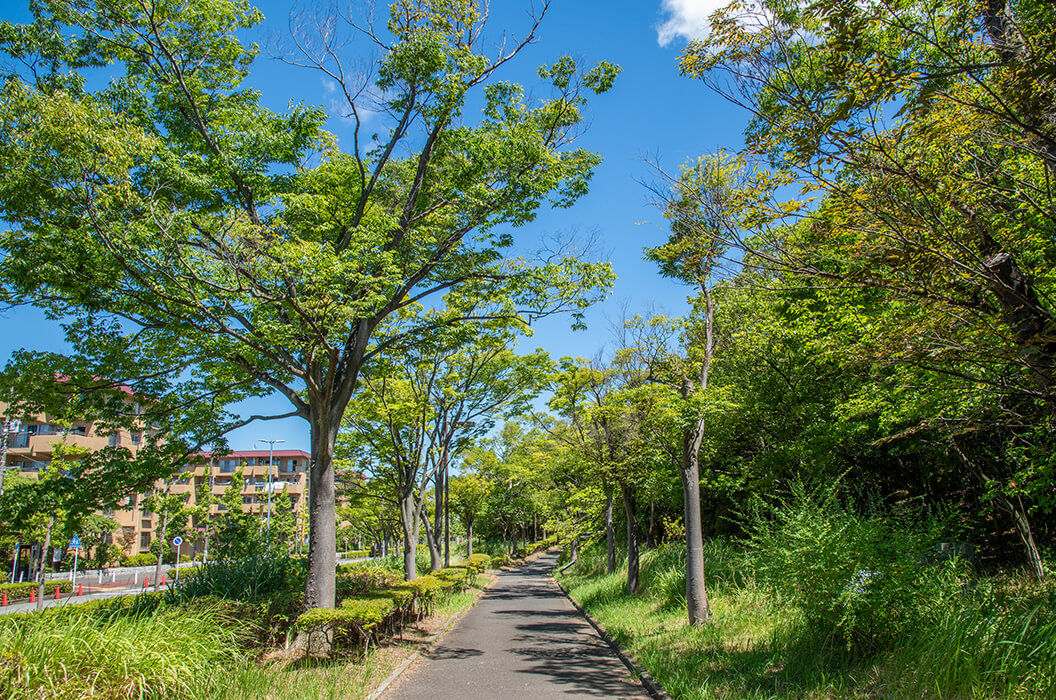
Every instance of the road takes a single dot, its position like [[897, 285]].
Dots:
[[115, 582], [522, 640]]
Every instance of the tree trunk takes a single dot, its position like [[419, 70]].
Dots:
[[632, 538], [610, 534], [431, 537], [44, 562], [409, 519], [650, 542], [469, 539], [1026, 535], [320, 589], [434, 536], [161, 554], [696, 594]]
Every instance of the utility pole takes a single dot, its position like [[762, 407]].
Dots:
[[271, 459]]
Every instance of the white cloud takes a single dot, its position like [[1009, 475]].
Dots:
[[687, 19]]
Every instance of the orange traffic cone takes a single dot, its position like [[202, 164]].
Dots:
[[79, 589], [56, 592], [146, 583], [33, 594], [4, 601], [163, 580]]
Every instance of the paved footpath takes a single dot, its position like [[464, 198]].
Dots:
[[522, 640]]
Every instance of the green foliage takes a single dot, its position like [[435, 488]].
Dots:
[[20, 591], [991, 638], [141, 559], [271, 574], [168, 654], [862, 578], [353, 579]]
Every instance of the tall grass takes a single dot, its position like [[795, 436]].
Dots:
[[170, 654], [793, 619]]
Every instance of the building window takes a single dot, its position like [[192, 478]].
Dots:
[[136, 437], [227, 466], [145, 524], [247, 500], [115, 439], [144, 540]]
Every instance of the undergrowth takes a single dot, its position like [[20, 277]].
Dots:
[[793, 617]]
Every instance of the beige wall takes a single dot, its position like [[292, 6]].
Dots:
[[28, 452]]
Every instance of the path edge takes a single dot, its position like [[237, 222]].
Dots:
[[376, 693], [651, 685]]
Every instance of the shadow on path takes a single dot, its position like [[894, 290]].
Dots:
[[522, 640]]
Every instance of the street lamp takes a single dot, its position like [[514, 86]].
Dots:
[[271, 456]]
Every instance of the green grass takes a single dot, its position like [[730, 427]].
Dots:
[[170, 654], [997, 640], [162, 646], [340, 678]]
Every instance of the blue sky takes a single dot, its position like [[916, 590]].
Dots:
[[651, 114]]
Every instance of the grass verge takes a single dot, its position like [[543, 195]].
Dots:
[[995, 640], [349, 679]]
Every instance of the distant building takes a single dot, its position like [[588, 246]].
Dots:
[[31, 448]]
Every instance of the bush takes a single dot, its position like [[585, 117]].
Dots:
[[857, 577], [261, 576], [479, 563], [355, 579], [20, 591], [143, 559], [357, 553]]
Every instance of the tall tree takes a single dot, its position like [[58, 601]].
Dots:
[[700, 209], [206, 246], [931, 147]]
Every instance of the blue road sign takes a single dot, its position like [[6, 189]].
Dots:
[[177, 541], [75, 543]]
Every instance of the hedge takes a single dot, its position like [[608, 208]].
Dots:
[[142, 559], [20, 591], [357, 553]]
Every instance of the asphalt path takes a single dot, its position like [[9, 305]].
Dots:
[[522, 640]]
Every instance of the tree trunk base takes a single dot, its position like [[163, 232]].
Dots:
[[316, 643]]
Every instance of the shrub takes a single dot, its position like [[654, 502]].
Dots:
[[357, 553], [256, 577], [479, 563], [858, 577], [20, 591], [353, 580], [143, 559]]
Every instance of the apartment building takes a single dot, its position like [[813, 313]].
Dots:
[[31, 447]]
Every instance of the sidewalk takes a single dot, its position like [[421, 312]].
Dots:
[[50, 602], [524, 639], [117, 582]]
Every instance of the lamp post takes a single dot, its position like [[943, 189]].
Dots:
[[271, 456]]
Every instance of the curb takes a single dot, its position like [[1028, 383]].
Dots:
[[651, 685], [429, 647]]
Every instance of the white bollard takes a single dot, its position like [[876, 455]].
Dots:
[[135, 579], [100, 575]]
